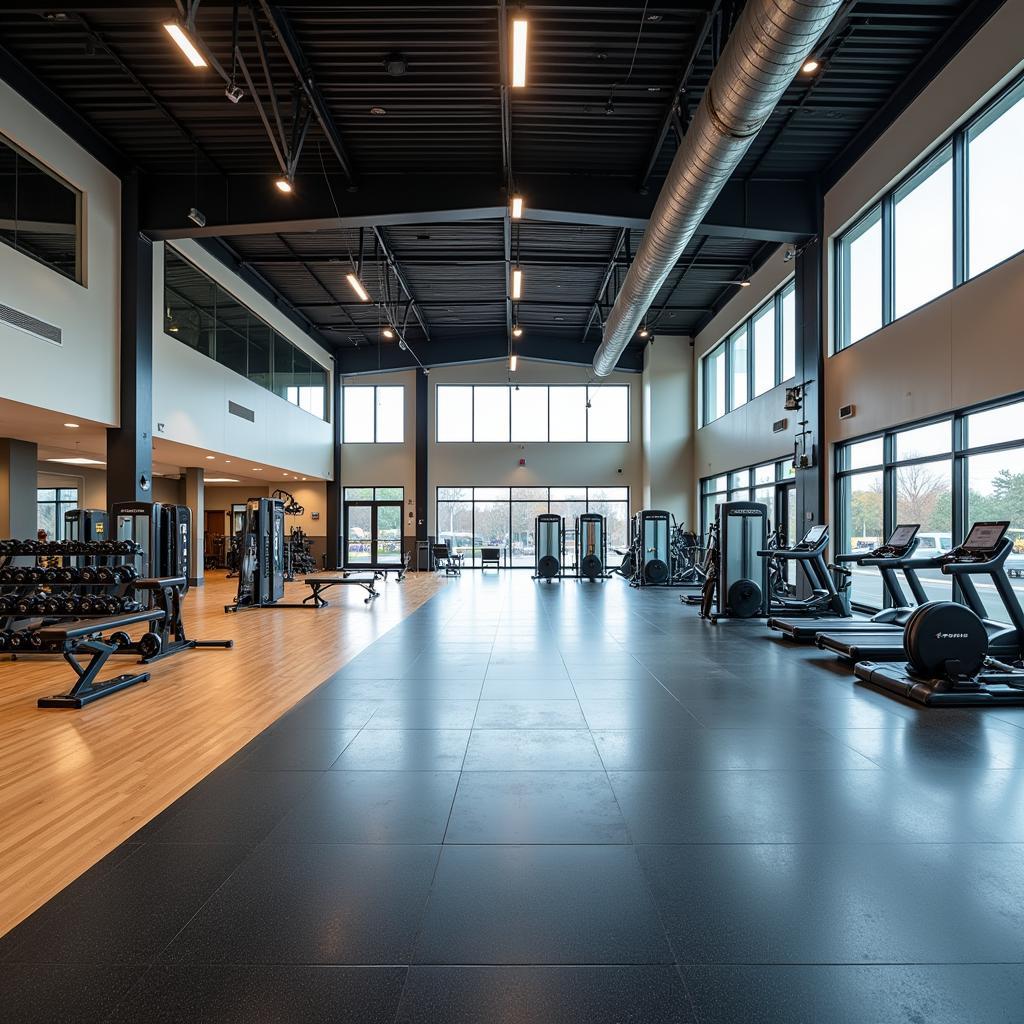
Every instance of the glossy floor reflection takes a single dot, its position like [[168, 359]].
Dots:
[[568, 802]]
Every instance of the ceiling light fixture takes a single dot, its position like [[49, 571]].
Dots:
[[513, 362], [644, 332], [517, 331], [744, 284], [519, 32], [517, 282], [220, 480], [185, 44], [378, 111], [284, 184], [357, 286], [71, 426], [516, 211], [388, 333], [257, 469], [810, 66], [78, 461]]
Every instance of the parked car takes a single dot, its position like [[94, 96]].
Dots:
[[931, 544]]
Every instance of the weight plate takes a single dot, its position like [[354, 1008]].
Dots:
[[656, 571], [744, 599], [548, 566], [591, 567]]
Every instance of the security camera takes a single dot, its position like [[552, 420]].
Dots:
[[234, 92]]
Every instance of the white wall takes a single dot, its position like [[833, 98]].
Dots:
[[962, 347], [34, 371], [668, 420], [743, 437], [191, 391], [386, 465], [548, 464]]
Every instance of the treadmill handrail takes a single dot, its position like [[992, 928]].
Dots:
[[892, 561], [796, 552]]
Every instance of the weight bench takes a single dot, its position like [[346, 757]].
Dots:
[[82, 636], [318, 584]]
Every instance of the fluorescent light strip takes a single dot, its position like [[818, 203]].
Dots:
[[220, 480], [79, 461], [513, 362], [357, 287], [517, 207], [519, 30], [187, 47], [517, 282]]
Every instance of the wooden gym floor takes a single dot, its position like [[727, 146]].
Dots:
[[75, 784]]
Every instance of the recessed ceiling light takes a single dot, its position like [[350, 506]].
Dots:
[[71, 426], [211, 457], [378, 111], [227, 461], [79, 461], [257, 469], [221, 480]]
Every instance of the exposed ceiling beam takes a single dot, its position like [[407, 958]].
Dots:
[[393, 263], [485, 346], [484, 257], [300, 68], [613, 262], [766, 210]]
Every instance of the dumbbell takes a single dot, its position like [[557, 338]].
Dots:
[[30, 604], [24, 639], [5, 639], [126, 547], [125, 573], [7, 574], [6, 605], [88, 574]]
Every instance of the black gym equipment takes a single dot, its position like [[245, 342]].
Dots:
[[85, 524], [956, 657], [741, 574], [889, 558], [825, 597], [157, 537], [261, 559]]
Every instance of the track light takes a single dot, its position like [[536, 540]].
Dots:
[[517, 282], [513, 362], [185, 44], [517, 332], [388, 333], [284, 184], [519, 31], [517, 207], [810, 66], [234, 92], [357, 287], [644, 332], [744, 284]]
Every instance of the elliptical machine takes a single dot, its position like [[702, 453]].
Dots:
[[951, 648]]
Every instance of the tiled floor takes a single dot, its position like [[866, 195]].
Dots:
[[565, 803]]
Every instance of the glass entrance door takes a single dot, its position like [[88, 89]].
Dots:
[[373, 533]]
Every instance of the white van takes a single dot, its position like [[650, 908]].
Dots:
[[930, 544]]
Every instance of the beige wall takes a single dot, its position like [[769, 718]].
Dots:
[[962, 347], [744, 437], [547, 464]]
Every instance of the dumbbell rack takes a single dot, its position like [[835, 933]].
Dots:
[[94, 579]]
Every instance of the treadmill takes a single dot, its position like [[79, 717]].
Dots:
[[888, 558], [809, 554], [982, 553]]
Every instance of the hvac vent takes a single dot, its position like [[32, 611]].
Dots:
[[31, 325], [241, 412]]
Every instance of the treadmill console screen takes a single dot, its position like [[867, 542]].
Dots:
[[813, 536], [903, 535], [985, 536]]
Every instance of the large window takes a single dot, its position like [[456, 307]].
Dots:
[[373, 414], [51, 504], [40, 213], [471, 518], [944, 475], [202, 315], [769, 482], [756, 357], [525, 413], [958, 214]]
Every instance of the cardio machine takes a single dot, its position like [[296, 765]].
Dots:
[[889, 557], [955, 656], [825, 598]]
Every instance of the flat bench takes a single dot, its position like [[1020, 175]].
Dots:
[[83, 636], [380, 572], [318, 584]]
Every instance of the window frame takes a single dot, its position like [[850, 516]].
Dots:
[[727, 343], [957, 142], [740, 491], [80, 275], [376, 411], [512, 439], [60, 506]]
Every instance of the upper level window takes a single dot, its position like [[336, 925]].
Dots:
[[373, 414], [40, 213], [759, 355], [958, 214], [995, 156], [500, 413], [202, 315]]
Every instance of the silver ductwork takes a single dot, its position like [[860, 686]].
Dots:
[[770, 42]]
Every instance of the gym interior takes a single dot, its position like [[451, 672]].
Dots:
[[510, 512]]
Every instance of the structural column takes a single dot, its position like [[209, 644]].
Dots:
[[195, 499], [810, 482], [334, 553], [18, 477], [422, 428], [130, 446]]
